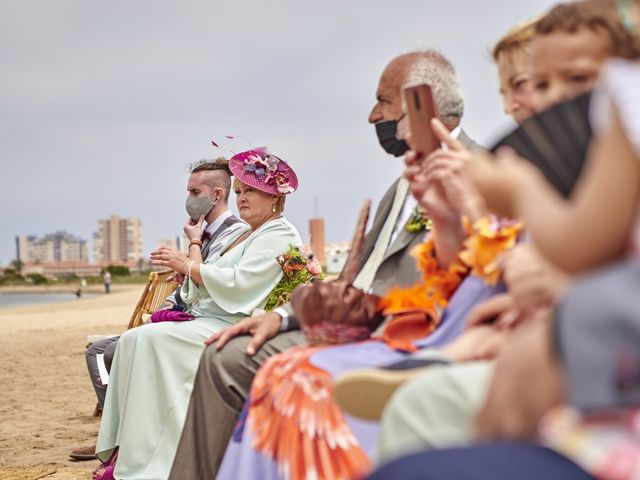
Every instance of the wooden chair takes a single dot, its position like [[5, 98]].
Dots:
[[158, 288]]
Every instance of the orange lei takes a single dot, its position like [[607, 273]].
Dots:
[[417, 310]]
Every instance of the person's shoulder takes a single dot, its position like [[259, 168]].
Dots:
[[392, 188], [238, 225], [233, 220], [468, 143], [281, 226]]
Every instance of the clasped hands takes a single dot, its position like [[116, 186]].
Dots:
[[441, 182]]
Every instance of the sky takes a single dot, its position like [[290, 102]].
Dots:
[[103, 105]]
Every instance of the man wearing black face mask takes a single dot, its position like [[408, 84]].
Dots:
[[225, 374], [209, 187]]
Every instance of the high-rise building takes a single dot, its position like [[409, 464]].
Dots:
[[56, 247], [118, 240], [179, 243]]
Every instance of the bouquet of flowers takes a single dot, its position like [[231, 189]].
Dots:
[[298, 268]]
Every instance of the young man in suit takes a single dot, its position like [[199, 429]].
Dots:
[[209, 186]]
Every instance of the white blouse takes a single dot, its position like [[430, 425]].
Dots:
[[620, 86]]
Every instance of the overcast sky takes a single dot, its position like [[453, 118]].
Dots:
[[104, 104]]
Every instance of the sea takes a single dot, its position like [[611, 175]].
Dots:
[[8, 300]]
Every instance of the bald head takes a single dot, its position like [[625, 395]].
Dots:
[[388, 103], [434, 69]]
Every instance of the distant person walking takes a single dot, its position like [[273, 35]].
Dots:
[[106, 278]]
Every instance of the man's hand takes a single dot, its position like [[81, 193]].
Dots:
[[449, 168], [262, 327], [193, 230]]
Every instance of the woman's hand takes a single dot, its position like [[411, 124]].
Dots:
[[167, 257], [500, 179], [532, 281], [527, 382], [193, 230]]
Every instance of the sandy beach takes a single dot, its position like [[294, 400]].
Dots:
[[46, 398]]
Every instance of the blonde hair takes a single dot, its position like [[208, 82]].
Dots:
[[517, 40]]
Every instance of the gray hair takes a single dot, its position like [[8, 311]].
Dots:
[[435, 70]]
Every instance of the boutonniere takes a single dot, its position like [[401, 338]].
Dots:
[[418, 221]]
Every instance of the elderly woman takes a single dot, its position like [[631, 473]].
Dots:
[[154, 365]]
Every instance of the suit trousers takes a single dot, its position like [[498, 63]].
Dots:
[[221, 387], [437, 409], [107, 347]]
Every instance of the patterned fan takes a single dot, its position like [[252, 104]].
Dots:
[[350, 269], [556, 141], [338, 312], [296, 421]]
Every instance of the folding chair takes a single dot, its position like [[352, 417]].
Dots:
[[158, 288]]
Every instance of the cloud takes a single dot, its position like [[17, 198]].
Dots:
[[102, 105]]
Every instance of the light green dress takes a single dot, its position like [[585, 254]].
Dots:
[[155, 365]]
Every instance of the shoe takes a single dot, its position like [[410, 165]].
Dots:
[[365, 393], [85, 453]]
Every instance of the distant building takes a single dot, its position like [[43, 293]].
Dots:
[[56, 247], [177, 243], [336, 255], [63, 269], [316, 232], [118, 240]]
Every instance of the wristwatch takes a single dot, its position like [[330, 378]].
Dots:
[[195, 242]]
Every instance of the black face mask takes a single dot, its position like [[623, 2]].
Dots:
[[387, 136]]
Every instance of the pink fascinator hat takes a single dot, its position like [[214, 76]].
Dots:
[[263, 171]]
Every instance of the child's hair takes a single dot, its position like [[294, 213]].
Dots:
[[597, 15]]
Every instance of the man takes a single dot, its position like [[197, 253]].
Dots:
[[106, 279], [227, 369], [437, 409], [209, 186]]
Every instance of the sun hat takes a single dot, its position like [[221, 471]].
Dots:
[[263, 171]]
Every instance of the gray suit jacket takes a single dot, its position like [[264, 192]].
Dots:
[[398, 268]]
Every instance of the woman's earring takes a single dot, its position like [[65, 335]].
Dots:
[[273, 208]]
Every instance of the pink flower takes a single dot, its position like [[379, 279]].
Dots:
[[314, 267]]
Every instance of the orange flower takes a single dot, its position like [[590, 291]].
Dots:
[[483, 248], [487, 240]]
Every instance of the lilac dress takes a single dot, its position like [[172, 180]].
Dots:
[[242, 460]]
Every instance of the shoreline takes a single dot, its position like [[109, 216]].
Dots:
[[70, 288]]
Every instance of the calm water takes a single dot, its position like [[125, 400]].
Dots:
[[20, 299]]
